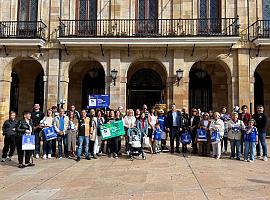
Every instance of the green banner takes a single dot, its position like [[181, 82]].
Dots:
[[114, 129]]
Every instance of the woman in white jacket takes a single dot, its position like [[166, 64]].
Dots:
[[217, 125]]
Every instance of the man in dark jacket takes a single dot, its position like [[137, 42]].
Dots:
[[174, 126], [185, 126], [9, 131], [261, 125], [37, 116], [24, 126]]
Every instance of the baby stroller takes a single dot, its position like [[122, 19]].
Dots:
[[135, 143]]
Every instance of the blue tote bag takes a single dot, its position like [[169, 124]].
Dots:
[[215, 137], [28, 142], [201, 135], [49, 133], [186, 138]]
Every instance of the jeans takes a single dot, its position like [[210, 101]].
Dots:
[[235, 144], [37, 143], [47, 146], [249, 148], [174, 134], [263, 143], [9, 145], [85, 140], [62, 138]]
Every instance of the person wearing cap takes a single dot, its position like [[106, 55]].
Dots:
[[251, 139], [217, 125], [174, 126], [261, 120], [194, 121], [235, 128]]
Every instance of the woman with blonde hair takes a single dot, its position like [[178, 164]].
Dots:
[[217, 127]]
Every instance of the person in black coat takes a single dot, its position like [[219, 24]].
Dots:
[[174, 126], [24, 126], [194, 121], [9, 131], [261, 124]]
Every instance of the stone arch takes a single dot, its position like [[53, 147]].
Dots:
[[149, 87], [86, 76]]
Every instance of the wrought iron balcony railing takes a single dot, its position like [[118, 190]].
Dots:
[[221, 27], [259, 29], [22, 29]]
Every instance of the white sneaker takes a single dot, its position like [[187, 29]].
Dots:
[[252, 161], [218, 157], [37, 156], [44, 157], [49, 156], [8, 158], [245, 160], [60, 158], [265, 158]]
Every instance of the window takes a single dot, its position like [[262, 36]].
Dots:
[[266, 10], [87, 16], [147, 15], [27, 18], [210, 16]]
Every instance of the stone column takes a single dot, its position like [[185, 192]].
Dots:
[[244, 84], [117, 92], [179, 92], [51, 91]]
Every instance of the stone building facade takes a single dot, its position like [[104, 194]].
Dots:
[[66, 49]]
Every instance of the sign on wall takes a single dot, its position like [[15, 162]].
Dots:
[[98, 101]]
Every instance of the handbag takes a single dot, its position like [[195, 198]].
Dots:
[[186, 138], [28, 142], [146, 141], [201, 135], [215, 137], [49, 133]]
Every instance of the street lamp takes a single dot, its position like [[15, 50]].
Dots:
[[114, 75], [179, 75]]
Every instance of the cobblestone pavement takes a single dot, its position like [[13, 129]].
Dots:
[[162, 176]]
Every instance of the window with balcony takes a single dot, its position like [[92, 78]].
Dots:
[[27, 18], [147, 17], [86, 17], [210, 16]]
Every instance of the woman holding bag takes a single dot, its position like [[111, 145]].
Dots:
[[204, 147], [47, 122], [217, 127]]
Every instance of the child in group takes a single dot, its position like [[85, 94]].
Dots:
[[250, 139], [157, 138]]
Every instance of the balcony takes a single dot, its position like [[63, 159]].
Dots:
[[22, 33], [259, 32], [183, 32]]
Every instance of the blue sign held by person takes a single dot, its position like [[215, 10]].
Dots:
[[98, 101]]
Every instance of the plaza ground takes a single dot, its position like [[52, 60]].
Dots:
[[164, 176]]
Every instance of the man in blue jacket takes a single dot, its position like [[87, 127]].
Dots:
[[174, 126]]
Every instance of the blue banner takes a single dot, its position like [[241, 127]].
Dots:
[[186, 138], [215, 137], [49, 133], [201, 135], [28, 142], [98, 101]]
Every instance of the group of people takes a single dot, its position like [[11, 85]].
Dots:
[[79, 133]]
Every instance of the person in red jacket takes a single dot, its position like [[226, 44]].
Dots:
[[245, 116]]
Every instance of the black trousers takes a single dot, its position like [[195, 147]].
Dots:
[[21, 153], [9, 146], [53, 147], [174, 135], [194, 144], [113, 145], [91, 147]]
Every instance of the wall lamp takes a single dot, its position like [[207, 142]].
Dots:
[[114, 75], [179, 75]]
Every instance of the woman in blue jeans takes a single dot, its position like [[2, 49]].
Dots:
[[250, 139]]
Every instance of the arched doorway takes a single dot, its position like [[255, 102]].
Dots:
[[200, 90], [26, 88], [85, 78], [258, 90], [146, 85], [208, 86]]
